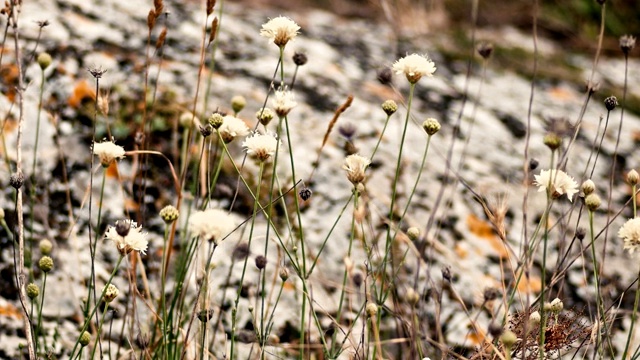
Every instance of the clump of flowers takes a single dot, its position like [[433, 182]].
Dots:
[[261, 146], [556, 183], [630, 233], [231, 128], [131, 240], [355, 165], [280, 30], [107, 151], [414, 67], [211, 225], [283, 101]]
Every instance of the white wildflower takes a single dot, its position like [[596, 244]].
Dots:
[[261, 146], [211, 225], [630, 233], [559, 182], [127, 236], [231, 128], [355, 165], [107, 151], [414, 67], [280, 30], [283, 102]]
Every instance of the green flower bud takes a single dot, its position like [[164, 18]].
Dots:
[[216, 120], [85, 339], [44, 60], [431, 126], [45, 264], [45, 246], [169, 214], [33, 291], [389, 107], [238, 103]]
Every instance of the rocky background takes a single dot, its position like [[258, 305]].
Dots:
[[482, 105]]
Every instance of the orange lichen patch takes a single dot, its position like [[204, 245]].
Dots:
[[112, 170], [531, 285], [10, 311], [635, 135], [131, 205], [561, 93], [476, 337], [9, 76], [81, 92], [288, 285], [485, 231]]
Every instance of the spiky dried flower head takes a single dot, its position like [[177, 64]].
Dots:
[[280, 30], [627, 43], [261, 262], [107, 151], [588, 186], [431, 126], [283, 101], [265, 116], [231, 128], [44, 60], [630, 234], [45, 264], [97, 72], [110, 292], [389, 107], [611, 103], [133, 240], [211, 225], [355, 165], [633, 177], [261, 146], [592, 202], [414, 67], [216, 120], [556, 183], [16, 180], [33, 291], [169, 214], [299, 58], [45, 246], [485, 49], [238, 103]]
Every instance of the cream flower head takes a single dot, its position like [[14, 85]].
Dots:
[[355, 165], [128, 237], [560, 183], [280, 30], [283, 101], [414, 67], [231, 128], [630, 233], [211, 225], [107, 151], [110, 292], [261, 146]]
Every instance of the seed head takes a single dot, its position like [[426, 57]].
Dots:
[[44, 60], [627, 43], [85, 339], [357, 279], [385, 76], [280, 30], [284, 273], [581, 233], [261, 262], [16, 180], [123, 227], [633, 177], [431, 126], [169, 214], [611, 103], [238, 103], [389, 107], [299, 58], [485, 49], [305, 193], [45, 264], [205, 315], [241, 251], [33, 291], [206, 130]]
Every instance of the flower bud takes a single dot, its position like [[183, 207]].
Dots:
[[389, 107], [611, 103], [534, 318], [413, 233], [431, 126], [216, 120], [44, 60], [371, 309], [265, 116], [299, 58], [85, 339], [632, 177], [508, 338], [110, 293], [45, 246], [33, 291], [588, 187], [261, 262], [238, 103], [557, 305], [592, 201], [169, 214], [552, 140], [45, 264]]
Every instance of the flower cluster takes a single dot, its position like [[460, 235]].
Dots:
[[414, 67], [211, 225], [280, 30], [261, 146], [132, 240], [107, 151], [556, 183]]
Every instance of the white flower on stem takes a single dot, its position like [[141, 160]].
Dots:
[[107, 151], [231, 128], [630, 233], [283, 101], [127, 236], [261, 146], [355, 165], [557, 183], [414, 67], [211, 225], [280, 30]]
